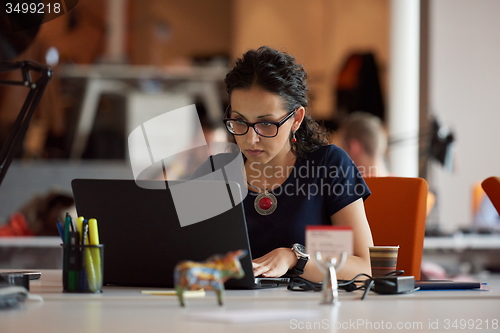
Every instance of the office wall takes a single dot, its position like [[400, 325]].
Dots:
[[465, 95], [319, 33], [163, 32]]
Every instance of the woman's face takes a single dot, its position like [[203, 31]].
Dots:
[[253, 105]]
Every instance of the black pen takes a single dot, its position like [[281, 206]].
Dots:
[[73, 260]]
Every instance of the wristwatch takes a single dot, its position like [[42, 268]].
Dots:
[[302, 258]]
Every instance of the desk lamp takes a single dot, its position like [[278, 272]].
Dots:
[[12, 44]]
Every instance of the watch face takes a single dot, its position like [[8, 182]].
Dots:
[[301, 249]]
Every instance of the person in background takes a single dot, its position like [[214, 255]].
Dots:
[[364, 138], [38, 216]]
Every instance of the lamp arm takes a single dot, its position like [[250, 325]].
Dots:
[[21, 124]]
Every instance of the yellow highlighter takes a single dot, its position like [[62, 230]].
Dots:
[[96, 254], [89, 262], [79, 223]]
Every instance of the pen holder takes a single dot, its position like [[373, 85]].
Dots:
[[83, 268]]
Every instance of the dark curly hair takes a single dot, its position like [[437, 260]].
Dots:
[[277, 72]]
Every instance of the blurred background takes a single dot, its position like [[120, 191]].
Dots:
[[428, 69]]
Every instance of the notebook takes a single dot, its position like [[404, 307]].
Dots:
[[142, 236], [447, 285]]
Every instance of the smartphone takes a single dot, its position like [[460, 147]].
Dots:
[[277, 281]]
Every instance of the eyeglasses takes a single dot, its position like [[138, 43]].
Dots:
[[267, 129]]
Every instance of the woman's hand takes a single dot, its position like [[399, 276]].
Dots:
[[274, 264]]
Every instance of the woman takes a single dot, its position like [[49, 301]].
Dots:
[[294, 177]]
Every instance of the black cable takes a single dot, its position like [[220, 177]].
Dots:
[[367, 288], [301, 284], [395, 273]]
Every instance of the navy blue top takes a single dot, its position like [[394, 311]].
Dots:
[[319, 186]]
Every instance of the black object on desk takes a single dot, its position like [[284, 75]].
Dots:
[[33, 275], [393, 284], [16, 279]]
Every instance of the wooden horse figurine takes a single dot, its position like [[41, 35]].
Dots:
[[209, 275]]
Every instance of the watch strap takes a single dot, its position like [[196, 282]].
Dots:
[[298, 269]]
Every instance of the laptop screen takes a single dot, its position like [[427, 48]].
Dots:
[[143, 237]]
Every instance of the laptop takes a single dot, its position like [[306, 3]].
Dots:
[[143, 238]]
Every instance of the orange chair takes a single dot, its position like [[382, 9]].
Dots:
[[396, 212], [492, 188]]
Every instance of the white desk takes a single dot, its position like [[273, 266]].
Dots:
[[460, 242], [32, 242], [475, 250], [123, 310], [30, 252]]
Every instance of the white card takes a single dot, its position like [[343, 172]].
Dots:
[[331, 241]]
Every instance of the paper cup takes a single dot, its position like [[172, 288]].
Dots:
[[383, 259]]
